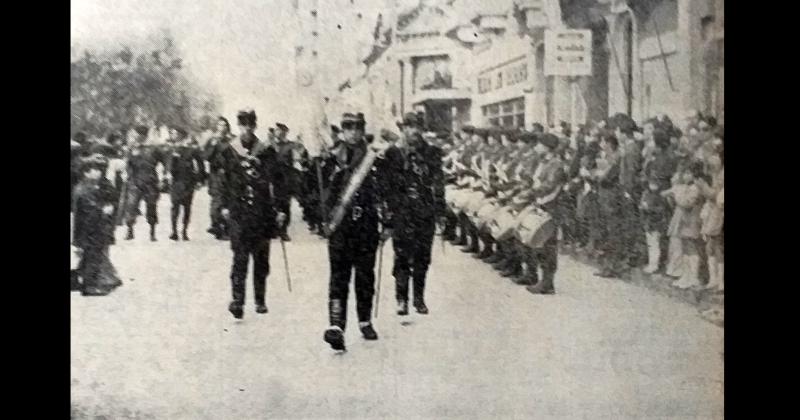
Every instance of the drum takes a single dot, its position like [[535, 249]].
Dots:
[[485, 213], [503, 224], [536, 227]]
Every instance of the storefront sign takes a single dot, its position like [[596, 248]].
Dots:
[[568, 52], [504, 75]]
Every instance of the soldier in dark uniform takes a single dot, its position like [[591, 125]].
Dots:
[[353, 243], [211, 153], [186, 170], [143, 181], [549, 180], [419, 182], [284, 153], [249, 167]]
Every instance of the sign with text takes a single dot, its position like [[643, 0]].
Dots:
[[567, 52]]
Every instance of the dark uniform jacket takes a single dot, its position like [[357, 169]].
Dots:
[[417, 180], [372, 202], [187, 168], [248, 190], [142, 162], [286, 176]]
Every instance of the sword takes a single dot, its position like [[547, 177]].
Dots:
[[286, 266]]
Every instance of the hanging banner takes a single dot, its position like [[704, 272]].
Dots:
[[567, 52]]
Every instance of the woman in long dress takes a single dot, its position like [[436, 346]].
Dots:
[[93, 233]]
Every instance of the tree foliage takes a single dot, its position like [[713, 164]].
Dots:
[[114, 90]]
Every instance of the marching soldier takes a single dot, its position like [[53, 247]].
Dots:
[[211, 153], [360, 199], [186, 169], [248, 171], [143, 181], [284, 151], [419, 183]]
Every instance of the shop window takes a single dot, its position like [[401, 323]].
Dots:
[[509, 113]]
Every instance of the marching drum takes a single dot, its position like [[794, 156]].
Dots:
[[503, 224], [535, 228]]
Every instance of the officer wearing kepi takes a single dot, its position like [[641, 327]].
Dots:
[[419, 182], [360, 199], [248, 171]]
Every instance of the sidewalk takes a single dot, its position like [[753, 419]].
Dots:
[[709, 303]]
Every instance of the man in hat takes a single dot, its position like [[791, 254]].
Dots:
[[248, 172], [186, 169], [419, 184], [352, 244], [285, 160], [211, 153], [143, 184]]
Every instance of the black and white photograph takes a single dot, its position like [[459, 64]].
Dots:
[[397, 209]]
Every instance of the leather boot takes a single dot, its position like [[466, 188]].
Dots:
[[334, 335], [153, 233]]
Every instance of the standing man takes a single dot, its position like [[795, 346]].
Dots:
[[143, 181], [248, 189], [212, 154], [360, 194], [419, 184], [186, 169], [285, 160]]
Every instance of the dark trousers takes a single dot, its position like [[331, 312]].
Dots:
[[544, 259], [215, 210], [284, 205], [242, 251], [136, 193], [412, 257], [348, 252], [178, 202]]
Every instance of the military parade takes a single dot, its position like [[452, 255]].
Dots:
[[494, 226]]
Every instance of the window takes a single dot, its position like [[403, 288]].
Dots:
[[509, 113]]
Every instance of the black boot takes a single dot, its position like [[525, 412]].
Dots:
[[184, 235], [544, 287], [153, 233], [419, 305], [368, 332], [334, 335], [236, 309], [174, 236], [402, 307]]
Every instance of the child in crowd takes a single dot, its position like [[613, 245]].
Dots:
[[685, 224], [93, 230], [654, 211]]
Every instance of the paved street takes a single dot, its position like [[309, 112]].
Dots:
[[164, 345]]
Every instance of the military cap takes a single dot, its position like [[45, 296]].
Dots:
[[349, 117], [549, 140], [388, 135], [411, 119], [360, 121], [246, 117], [281, 126], [527, 137]]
